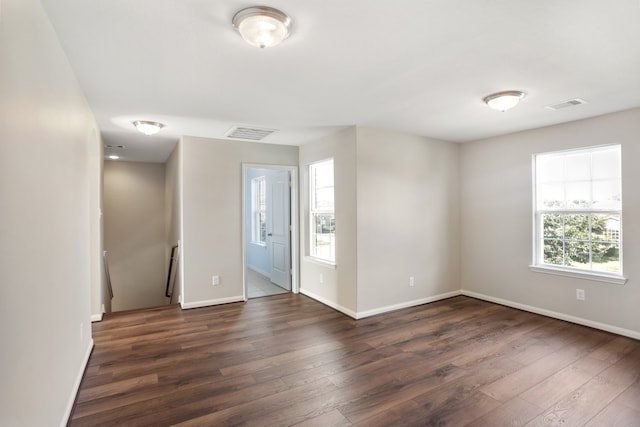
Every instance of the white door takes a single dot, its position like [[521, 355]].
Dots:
[[278, 230]]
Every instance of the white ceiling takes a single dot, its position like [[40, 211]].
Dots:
[[416, 66]]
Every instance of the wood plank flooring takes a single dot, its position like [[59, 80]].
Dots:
[[288, 360]]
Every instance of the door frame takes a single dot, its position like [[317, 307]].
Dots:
[[295, 235]]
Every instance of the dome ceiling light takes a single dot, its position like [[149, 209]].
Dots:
[[147, 127], [262, 26], [503, 101]]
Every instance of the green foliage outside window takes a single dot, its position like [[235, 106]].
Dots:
[[587, 238]]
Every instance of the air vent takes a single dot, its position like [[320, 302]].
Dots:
[[566, 104], [113, 146], [249, 133]]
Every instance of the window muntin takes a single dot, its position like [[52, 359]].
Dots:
[[579, 210], [322, 227], [259, 211]]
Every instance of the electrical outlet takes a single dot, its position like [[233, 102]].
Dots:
[[411, 281], [580, 294], [215, 280], [321, 278]]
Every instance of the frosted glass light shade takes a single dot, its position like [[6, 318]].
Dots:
[[502, 101], [262, 26], [147, 127]]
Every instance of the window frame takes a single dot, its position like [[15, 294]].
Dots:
[[259, 210], [313, 211], [538, 264]]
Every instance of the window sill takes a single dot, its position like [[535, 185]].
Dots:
[[321, 262], [262, 245], [580, 274]]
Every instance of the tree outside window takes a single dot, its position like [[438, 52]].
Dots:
[[579, 209]]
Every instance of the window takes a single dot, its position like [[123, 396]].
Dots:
[[578, 210], [322, 213], [258, 211]]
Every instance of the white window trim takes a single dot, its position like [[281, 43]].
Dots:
[[579, 274], [617, 279], [321, 261]]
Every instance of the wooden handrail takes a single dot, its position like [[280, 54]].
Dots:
[[106, 273], [171, 277]]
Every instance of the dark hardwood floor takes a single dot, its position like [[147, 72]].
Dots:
[[288, 360]]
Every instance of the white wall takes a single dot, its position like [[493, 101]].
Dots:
[[497, 223], [212, 213], [173, 214], [135, 234], [100, 301], [397, 215], [339, 286], [46, 139], [408, 219]]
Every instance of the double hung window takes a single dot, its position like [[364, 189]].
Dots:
[[322, 227], [578, 210]]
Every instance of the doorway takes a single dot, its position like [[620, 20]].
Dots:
[[135, 234], [269, 230]]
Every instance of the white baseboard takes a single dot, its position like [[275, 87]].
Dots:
[[556, 315], [406, 304], [331, 304], [98, 317], [380, 310], [76, 385], [207, 303]]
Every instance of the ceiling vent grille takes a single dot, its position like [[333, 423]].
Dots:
[[249, 133], [566, 104]]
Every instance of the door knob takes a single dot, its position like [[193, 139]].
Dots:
[[270, 234]]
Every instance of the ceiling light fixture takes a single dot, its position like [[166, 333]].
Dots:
[[114, 157], [502, 101], [262, 26], [147, 127]]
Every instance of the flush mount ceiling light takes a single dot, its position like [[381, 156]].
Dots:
[[502, 101], [147, 127], [262, 26]]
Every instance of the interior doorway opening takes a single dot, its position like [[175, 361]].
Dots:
[[270, 211], [135, 234]]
